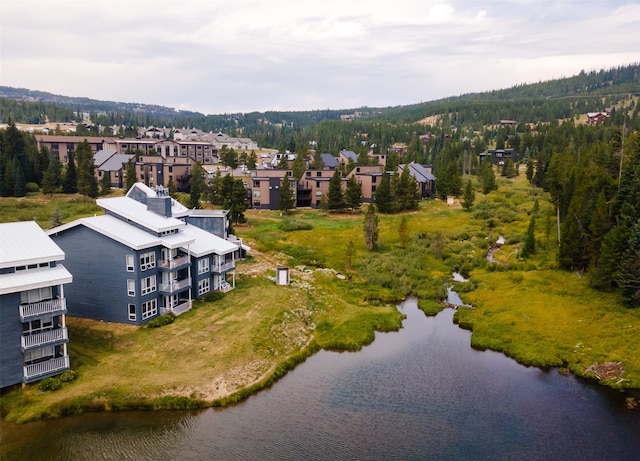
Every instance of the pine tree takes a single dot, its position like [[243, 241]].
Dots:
[[49, 185], [87, 182], [130, 175], [335, 196], [286, 195], [469, 196], [197, 186], [383, 198], [56, 218], [353, 194], [529, 244], [298, 166], [370, 227], [70, 184], [105, 183], [403, 231], [171, 186], [628, 274]]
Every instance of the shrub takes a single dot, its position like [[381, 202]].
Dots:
[[68, 376], [213, 296], [49, 384], [32, 187], [160, 321], [289, 225]]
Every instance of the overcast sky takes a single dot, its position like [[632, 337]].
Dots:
[[221, 56]]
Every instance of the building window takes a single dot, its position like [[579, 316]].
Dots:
[[318, 174], [132, 312], [373, 188], [148, 285], [318, 184], [256, 203], [37, 326], [256, 183], [203, 266], [149, 309], [374, 179], [35, 296], [318, 193], [203, 286], [256, 193], [131, 287], [39, 355], [130, 263], [147, 261], [308, 173]]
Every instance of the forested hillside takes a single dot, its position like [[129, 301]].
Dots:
[[592, 173]]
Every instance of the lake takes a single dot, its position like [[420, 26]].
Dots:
[[418, 394]]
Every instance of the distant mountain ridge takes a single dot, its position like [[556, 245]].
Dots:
[[542, 100]]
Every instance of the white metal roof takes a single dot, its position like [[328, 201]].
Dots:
[[206, 243], [115, 229], [35, 278], [24, 243], [137, 212]]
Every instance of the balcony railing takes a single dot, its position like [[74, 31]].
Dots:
[[181, 308], [50, 307], [175, 286], [42, 369], [220, 268], [175, 262], [46, 338], [225, 286]]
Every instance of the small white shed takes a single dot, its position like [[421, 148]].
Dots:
[[282, 276]]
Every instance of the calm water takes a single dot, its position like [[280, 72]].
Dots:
[[420, 394]]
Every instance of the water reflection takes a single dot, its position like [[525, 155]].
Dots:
[[422, 393]]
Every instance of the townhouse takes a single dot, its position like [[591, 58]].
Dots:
[[33, 333], [147, 255]]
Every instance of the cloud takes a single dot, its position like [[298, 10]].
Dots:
[[218, 56]]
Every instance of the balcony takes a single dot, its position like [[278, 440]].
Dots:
[[43, 369], [174, 263], [169, 288], [224, 267], [45, 308], [46, 338]]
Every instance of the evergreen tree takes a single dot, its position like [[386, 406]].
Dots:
[[383, 198], [299, 166], [130, 175], [56, 218], [487, 177], [197, 186], [70, 184], [335, 195], [171, 186], [20, 186], [49, 183], [469, 196], [87, 182], [286, 195], [530, 170], [529, 244], [370, 227], [353, 195], [628, 274], [216, 196], [403, 231], [405, 191], [105, 183], [238, 201], [283, 163], [252, 160]]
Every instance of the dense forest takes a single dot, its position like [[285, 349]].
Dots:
[[592, 173]]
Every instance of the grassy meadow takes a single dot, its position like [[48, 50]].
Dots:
[[223, 350]]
